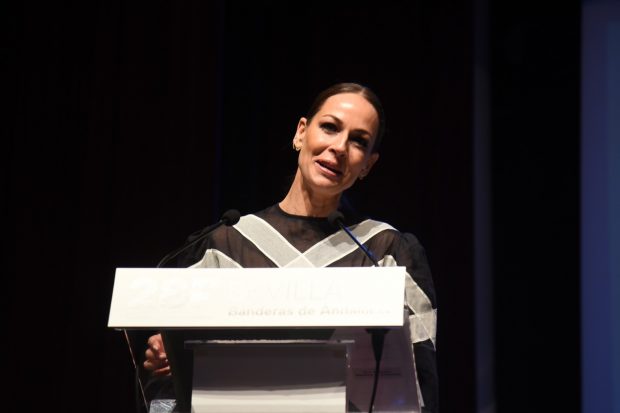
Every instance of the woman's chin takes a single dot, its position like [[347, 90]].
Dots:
[[328, 186]]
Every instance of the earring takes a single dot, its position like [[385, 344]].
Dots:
[[297, 148]]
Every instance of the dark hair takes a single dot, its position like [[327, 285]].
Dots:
[[356, 88]]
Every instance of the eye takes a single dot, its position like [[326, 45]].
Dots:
[[329, 127], [360, 141]]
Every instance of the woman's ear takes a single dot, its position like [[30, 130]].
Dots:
[[298, 139], [374, 157]]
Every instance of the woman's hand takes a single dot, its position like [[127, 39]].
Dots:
[[156, 360]]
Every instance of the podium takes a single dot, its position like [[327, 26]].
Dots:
[[275, 339]]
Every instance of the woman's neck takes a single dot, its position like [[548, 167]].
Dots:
[[301, 200]]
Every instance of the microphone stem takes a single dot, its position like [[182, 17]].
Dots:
[[176, 252], [359, 244], [377, 338]]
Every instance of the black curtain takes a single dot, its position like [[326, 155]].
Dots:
[[535, 110]]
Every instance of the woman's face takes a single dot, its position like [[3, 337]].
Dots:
[[336, 146]]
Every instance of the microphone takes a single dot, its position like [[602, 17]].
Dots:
[[336, 219], [229, 218]]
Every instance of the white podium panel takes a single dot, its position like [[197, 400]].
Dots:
[[257, 297], [269, 377]]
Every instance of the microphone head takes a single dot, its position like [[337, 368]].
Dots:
[[335, 218], [230, 217]]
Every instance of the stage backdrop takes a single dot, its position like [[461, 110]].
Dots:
[[132, 124]]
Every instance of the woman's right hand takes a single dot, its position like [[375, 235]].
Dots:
[[156, 360]]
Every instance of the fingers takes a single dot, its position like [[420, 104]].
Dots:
[[162, 372], [157, 367], [156, 348], [155, 356], [156, 360], [156, 343]]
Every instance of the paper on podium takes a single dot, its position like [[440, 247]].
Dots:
[[397, 390]]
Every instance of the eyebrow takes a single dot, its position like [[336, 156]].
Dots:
[[339, 122]]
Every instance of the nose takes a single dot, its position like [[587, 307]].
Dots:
[[339, 144]]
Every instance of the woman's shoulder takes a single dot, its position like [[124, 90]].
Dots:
[[390, 229], [404, 240]]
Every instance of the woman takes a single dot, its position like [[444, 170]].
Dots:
[[338, 144]]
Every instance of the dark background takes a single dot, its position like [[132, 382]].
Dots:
[[131, 124]]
